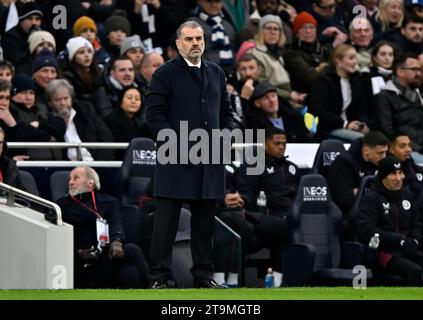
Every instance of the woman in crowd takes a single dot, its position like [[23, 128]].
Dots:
[[338, 99]]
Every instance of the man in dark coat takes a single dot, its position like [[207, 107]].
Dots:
[[399, 105], [391, 211], [192, 91], [347, 171], [102, 259], [9, 173], [15, 41]]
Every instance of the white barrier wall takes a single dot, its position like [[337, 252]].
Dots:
[[34, 253]]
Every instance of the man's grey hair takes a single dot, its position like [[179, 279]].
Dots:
[[56, 84], [188, 24], [92, 175]]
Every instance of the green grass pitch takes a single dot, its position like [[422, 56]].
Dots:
[[314, 293]]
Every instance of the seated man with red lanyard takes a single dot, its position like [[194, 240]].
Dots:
[[102, 259]]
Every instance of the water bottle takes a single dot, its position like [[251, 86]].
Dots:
[[261, 202], [374, 241], [268, 279]]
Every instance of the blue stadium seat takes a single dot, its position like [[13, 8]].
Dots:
[[326, 153], [59, 184], [136, 171], [29, 182], [315, 255]]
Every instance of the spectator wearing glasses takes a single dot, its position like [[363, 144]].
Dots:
[[399, 106], [331, 22], [307, 57]]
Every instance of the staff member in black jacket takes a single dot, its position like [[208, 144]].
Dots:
[[189, 89], [348, 169], [391, 211], [102, 259]]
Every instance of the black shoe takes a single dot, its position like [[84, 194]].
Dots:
[[160, 284], [207, 283]]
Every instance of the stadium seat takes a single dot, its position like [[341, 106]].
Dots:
[[29, 182], [315, 255], [181, 254], [136, 171], [131, 220], [59, 184], [326, 153]]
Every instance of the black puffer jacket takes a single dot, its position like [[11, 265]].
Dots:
[[346, 173], [392, 214], [400, 110]]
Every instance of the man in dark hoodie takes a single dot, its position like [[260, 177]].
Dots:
[[390, 211], [348, 169]]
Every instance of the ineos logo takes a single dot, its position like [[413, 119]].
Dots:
[[144, 155], [315, 191], [329, 157]]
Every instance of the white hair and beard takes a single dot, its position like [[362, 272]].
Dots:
[[76, 191]]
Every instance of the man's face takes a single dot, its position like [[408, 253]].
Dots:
[[6, 74], [30, 22], [401, 148], [191, 44], [269, 103], [78, 182], [123, 72], [276, 145], [326, 8], [410, 73], [362, 33], [61, 102], [267, 7], [249, 70], [44, 76], [394, 180], [413, 32], [147, 69], [375, 154], [4, 100], [307, 33]]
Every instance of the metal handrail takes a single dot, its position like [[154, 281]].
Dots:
[[11, 192]]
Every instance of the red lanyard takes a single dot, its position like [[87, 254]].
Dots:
[[1, 177], [94, 211]]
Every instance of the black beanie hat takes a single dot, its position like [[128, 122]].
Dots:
[[22, 82], [387, 166], [115, 22], [27, 9]]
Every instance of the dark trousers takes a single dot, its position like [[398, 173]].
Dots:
[[166, 219], [409, 268], [257, 231], [129, 272]]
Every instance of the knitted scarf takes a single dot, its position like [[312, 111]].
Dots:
[[219, 38]]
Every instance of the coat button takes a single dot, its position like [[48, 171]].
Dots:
[[205, 122], [203, 100]]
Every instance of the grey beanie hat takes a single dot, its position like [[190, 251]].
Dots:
[[131, 42], [270, 18]]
